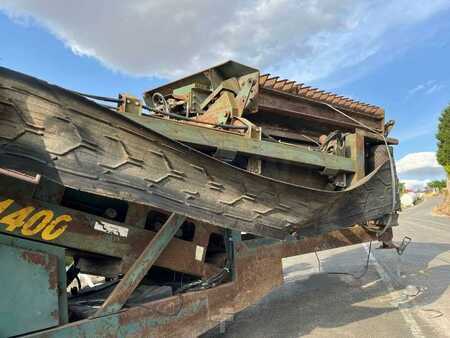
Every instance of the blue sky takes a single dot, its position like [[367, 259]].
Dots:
[[412, 86], [31, 49], [395, 57]]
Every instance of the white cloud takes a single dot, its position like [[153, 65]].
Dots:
[[420, 87], [415, 185], [305, 40], [428, 87], [416, 169], [434, 88]]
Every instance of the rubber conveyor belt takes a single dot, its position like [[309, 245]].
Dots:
[[47, 130]]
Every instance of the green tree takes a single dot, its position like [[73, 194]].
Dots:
[[437, 184], [443, 137]]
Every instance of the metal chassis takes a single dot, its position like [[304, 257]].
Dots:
[[257, 271]]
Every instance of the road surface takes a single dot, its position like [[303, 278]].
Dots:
[[399, 296]]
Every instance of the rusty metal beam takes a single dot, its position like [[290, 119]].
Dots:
[[377, 137], [321, 96], [81, 235], [284, 103], [141, 266]]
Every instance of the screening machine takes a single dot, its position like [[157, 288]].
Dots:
[[183, 203]]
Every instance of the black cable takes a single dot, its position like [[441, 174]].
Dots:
[[318, 261], [366, 267], [205, 284], [95, 97], [96, 288], [217, 278], [72, 272], [391, 162], [78, 282], [154, 110], [209, 283]]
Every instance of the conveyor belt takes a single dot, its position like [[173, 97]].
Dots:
[[70, 140]]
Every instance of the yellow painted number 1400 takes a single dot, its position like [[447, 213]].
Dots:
[[32, 222]]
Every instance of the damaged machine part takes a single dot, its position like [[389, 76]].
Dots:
[[198, 192]]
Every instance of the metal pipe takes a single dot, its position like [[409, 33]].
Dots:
[[21, 176], [100, 98]]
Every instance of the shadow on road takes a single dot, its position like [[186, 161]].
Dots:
[[323, 300]]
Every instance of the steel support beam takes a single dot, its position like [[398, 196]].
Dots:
[[224, 140], [83, 236], [278, 102], [141, 266], [354, 144]]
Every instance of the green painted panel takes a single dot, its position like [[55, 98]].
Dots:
[[31, 281]]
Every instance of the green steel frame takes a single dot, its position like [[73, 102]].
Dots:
[[229, 141], [141, 266]]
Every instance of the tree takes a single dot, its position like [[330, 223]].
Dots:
[[443, 137], [437, 184]]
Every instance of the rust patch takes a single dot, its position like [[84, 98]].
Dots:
[[269, 82], [35, 258], [49, 263], [53, 273]]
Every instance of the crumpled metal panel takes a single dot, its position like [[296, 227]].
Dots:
[[50, 131]]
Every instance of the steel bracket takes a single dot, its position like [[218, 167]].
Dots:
[[117, 299]]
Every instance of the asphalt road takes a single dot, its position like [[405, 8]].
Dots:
[[399, 296]]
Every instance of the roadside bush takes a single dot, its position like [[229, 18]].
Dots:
[[443, 138]]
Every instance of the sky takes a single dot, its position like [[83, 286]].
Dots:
[[389, 53]]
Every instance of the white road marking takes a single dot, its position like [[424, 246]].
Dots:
[[407, 316]]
